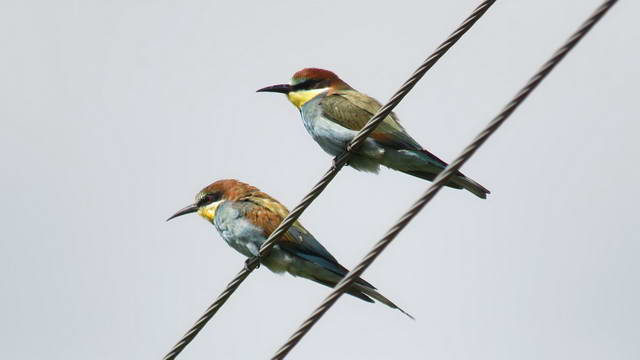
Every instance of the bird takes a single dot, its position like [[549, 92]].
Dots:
[[245, 217], [333, 112]]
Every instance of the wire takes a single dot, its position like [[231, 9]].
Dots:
[[441, 179], [338, 163]]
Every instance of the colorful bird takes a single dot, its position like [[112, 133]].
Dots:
[[245, 217], [333, 112]]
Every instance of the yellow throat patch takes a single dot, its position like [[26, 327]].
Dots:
[[300, 97], [209, 212]]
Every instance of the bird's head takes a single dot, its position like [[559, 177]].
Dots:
[[209, 198], [307, 84]]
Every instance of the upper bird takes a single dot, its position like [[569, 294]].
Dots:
[[333, 112], [245, 217]]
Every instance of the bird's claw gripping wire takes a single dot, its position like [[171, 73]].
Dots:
[[338, 159], [252, 263]]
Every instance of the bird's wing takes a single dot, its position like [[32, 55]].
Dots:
[[269, 213], [310, 249], [352, 109]]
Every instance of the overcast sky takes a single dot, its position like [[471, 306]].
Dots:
[[116, 113]]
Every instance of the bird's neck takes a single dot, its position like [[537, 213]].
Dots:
[[301, 97], [209, 212]]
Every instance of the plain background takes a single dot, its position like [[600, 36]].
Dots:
[[115, 114]]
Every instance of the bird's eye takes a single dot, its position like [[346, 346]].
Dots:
[[208, 199], [306, 85]]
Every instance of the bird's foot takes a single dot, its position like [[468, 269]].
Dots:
[[337, 160], [252, 263]]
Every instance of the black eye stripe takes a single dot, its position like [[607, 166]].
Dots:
[[305, 85], [209, 198]]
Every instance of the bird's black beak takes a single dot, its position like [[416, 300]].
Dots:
[[187, 210], [280, 88]]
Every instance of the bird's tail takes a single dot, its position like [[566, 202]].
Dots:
[[469, 184], [372, 292], [363, 291], [425, 165], [456, 181]]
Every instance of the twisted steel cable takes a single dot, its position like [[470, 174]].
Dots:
[[441, 179], [338, 163]]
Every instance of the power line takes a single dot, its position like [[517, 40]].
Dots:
[[338, 163], [441, 179]]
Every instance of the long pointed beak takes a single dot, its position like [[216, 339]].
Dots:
[[280, 88], [187, 210]]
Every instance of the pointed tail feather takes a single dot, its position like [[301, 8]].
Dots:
[[475, 188], [364, 291], [458, 179], [376, 295], [425, 165], [456, 182]]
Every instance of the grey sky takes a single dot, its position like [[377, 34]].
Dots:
[[116, 113]]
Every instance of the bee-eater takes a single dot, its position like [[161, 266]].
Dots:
[[245, 217], [333, 112]]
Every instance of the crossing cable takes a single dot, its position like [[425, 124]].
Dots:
[[338, 163], [442, 179]]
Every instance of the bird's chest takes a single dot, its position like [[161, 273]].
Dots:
[[237, 232], [332, 137]]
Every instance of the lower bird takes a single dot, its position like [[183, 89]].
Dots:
[[333, 112], [245, 217]]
